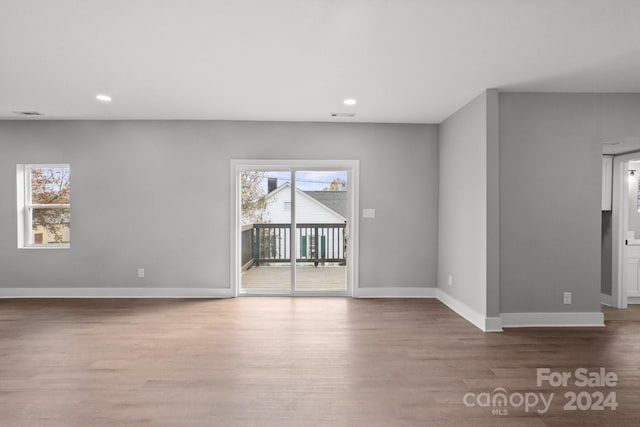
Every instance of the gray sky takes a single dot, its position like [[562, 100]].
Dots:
[[307, 180]]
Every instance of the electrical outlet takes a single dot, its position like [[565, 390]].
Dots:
[[141, 273], [368, 213], [567, 298], [450, 280]]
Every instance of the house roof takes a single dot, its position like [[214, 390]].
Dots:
[[334, 200]]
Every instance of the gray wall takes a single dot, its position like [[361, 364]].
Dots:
[[462, 247], [550, 195], [493, 203], [156, 195]]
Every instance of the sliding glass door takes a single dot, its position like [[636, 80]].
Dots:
[[321, 230], [293, 231]]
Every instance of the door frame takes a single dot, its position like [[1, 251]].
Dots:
[[620, 225], [353, 170]]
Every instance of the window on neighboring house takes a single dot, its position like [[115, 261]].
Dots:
[[44, 206], [287, 206]]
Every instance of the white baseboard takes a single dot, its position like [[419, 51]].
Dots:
[[633, 300], [532, 320], [492, 324], [395, 292], [606, 299], [486, 324], [115, 293]]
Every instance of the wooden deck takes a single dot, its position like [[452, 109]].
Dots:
[[309, 278]]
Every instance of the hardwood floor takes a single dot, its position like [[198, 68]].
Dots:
[[631, 313], [289, 362]]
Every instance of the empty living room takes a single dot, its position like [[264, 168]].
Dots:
[[319, 213]]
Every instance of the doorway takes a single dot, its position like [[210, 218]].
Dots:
[[294, 227], [625, 220]]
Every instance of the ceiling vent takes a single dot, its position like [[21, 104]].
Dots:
[[28, 113], [343, 114]]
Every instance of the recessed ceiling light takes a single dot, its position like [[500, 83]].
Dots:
[[103, 98], [350, 101]]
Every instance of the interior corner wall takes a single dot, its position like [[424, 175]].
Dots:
[[155, 194], [462, 242], [550, 195]]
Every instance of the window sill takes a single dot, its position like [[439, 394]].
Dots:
[[46, 247]]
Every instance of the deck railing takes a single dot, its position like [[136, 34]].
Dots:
[[247, 246], [267, 243]]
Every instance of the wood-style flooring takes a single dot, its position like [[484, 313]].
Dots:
[[631, 313], [290, 362]]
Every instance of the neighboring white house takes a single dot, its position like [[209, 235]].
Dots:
[[318, 207], [313, 208]]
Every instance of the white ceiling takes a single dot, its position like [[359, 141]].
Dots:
[[403, 60], [620, 146]]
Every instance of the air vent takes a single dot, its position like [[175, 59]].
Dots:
[[28, 113], [611, 142], [343, 114]]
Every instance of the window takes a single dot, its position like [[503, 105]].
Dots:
[[44, 206]]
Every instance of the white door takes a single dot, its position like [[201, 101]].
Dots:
[[631, 268]]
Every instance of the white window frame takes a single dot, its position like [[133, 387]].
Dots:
[[25, 205]]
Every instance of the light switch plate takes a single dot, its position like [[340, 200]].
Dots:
[[368, 213]]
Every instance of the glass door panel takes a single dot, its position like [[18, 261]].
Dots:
[[321, 200], [265, 231]]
